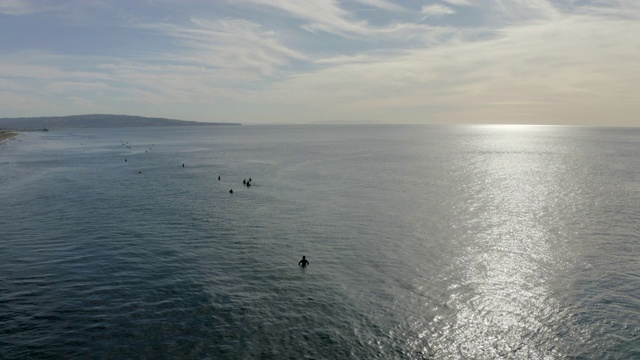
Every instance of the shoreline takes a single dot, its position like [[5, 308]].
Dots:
[[6, 135]]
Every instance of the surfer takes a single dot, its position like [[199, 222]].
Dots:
[[304, 262]]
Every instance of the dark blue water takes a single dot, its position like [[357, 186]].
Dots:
[[462, 242]]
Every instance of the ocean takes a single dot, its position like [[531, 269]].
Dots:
[[424, 242]]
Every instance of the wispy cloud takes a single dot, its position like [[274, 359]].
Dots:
[[458, 2], [382, 4], [436, 10], [327, 16], [228, 44], [23, 7], [65, 9], [321, 15], [534, 69], [525, 9], [521, 61]]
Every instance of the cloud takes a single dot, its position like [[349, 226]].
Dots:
[[327, 16], [519, 10], [214, 59], [13, 104], [535, 61], [321, 15], [67, 9], [228, 44], [458, 2], [538, 72], [436, 10], [382, 4], [23, 7]]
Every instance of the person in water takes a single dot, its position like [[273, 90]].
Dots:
[[303, 262]]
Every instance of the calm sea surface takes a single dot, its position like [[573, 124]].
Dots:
[[470, 242]]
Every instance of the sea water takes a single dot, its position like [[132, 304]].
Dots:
[[424, 242]]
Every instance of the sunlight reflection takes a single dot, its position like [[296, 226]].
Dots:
[[503, 298]]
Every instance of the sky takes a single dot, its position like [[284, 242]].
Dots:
[[561, 62]]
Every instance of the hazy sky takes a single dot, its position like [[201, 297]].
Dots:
[[310, 61]]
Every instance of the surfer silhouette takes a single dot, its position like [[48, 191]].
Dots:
[[303, 262]]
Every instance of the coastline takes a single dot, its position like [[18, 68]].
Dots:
[[6, 135]]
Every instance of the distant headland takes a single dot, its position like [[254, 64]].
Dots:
[[93, 121]]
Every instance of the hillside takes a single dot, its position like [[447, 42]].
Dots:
[[93, 121]]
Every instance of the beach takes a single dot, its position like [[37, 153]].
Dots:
[[6, 135]]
